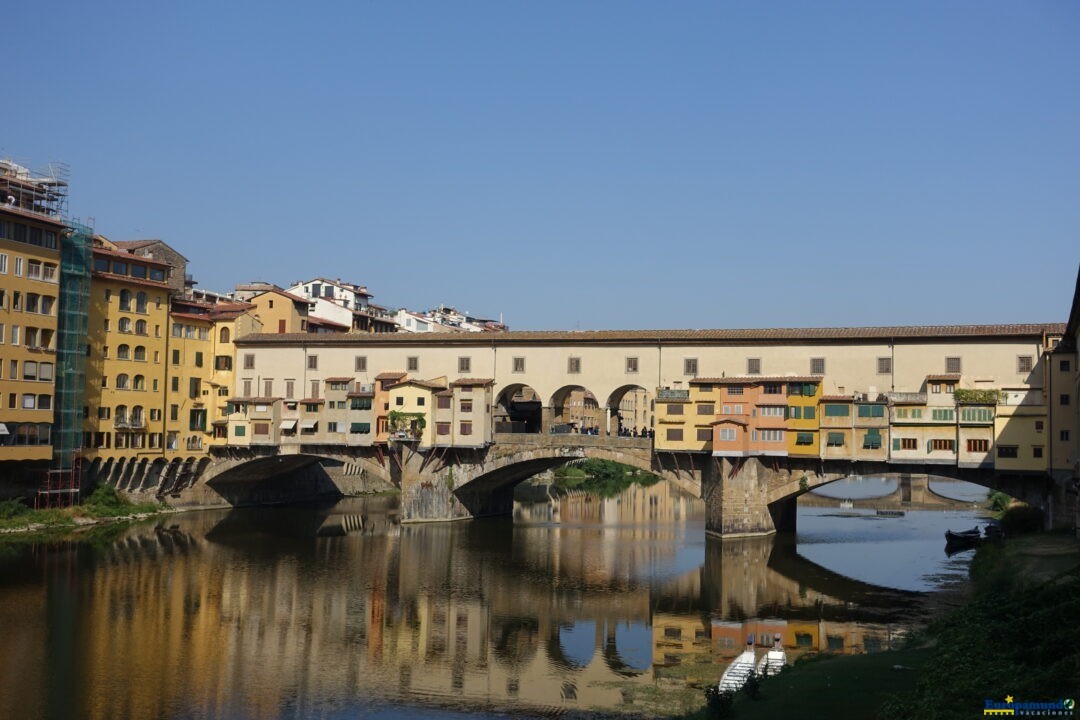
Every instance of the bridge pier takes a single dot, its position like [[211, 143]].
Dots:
[[736, 492]]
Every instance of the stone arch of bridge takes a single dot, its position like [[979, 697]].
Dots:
[[575, 407], [630, 407], [248, 480], [519, 408]]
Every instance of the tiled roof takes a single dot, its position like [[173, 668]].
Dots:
[[129, 279], [723, 421], [430, 384], [948, 377], [254, 400], [386, 375], [837, 398], [130, 256], [361, 393], [312, 320], [472, 382], [191, 316], [719, 336], [344, 378], [754, 379], [290, 296], [312, 401]]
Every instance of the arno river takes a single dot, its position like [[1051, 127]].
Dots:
[[339, 611]]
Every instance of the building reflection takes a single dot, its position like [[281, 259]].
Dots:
[[265, 613]]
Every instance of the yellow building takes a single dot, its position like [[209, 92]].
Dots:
[[188, 394], [29, 276], [231, 320], [684, 417], [803, 426], [1020, 437], [836, 426], [125, 370], [411, 413], [281, 312]]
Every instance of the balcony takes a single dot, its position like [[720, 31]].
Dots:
[[672, 394]]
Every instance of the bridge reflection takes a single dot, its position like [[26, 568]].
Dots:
[[249, 612]]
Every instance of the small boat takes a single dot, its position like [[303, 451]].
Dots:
[[964, 536], [739, 670], [890, 513], [773, 661]]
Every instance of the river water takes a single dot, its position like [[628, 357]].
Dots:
[[339, 611]]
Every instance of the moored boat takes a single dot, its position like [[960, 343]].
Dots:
[[774, 660], [739, 670]]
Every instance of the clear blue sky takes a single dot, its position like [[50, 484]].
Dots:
[[595, 165]]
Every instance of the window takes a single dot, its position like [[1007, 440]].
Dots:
[[772, 389], [18, 260], [795, 412], [1064, 435], [1064, 398], [804, 438], [420, 401], [1007, 451], [239, 431], [466, 405], [175, 357], [817, 366], [124, 325], [945, 414], [314, 388], [1036, 451], [122, 382], [412, 364], [1065, 366], [198, 359], [360, 363], [705, 409], [466, 428], [1024, 363], [442, 428], [952, 365], [268, 387], [140, 327], [518, 365], [260, 428], [835, 439], [674, 409], [772, 411], [361, 403], [976, 414], [247, 387], [175, 384], [631, 365], [872, 440], [975, 445], [3, 256], [313, 362], [753, 366], [573, 365], [174, 412], [871, 411], [727, 434], [809, 412], [689, 366], [905, 444], [884, 365], [839, 410], [772, 435], [948, 445], [140, 353], [735, 390], [704, 435], [249, 361], [360, 428], [674, 434], [464, 364]]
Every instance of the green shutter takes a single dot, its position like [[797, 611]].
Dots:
[[804, 438], [809, 412], [896, 443], [836, 438], [360, 428], [239, 431], [878, 411]]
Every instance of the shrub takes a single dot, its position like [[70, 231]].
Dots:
[[1021, 520], [12, 508]]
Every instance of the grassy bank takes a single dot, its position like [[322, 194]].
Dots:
[[1017, 636], [105, 503]]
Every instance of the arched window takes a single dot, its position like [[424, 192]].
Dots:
[[123, 352], [124, 325], [140, 302], [137, 419], [138, 383], [122, 381], [224, 336], [125, 300], [140, 353], [120, 415], [140, 327]]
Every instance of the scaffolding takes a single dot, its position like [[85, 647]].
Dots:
[[76, 255], [40, 193], [59, 488]]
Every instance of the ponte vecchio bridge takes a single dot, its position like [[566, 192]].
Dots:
[[746, 419]]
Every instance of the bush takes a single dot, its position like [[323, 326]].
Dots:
[[1021, 520], [13, 508], [718, 703], [998, 501]]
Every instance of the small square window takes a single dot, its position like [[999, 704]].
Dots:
[[817, 366], [753, 366], [519, 365], [573, 365], [690, 366], [1024, 363], [952, 365], [412, 364], [631, 364], [464, 364], [884, 365]]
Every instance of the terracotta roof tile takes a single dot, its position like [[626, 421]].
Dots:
[[717, 336], [948, 377], [344, 378], [312, 401], [755, 379], [253, 400], [472, 382], [838, 398], [384, 375]]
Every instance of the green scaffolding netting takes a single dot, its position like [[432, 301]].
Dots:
[[72, 328]]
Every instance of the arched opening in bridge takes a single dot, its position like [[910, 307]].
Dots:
[[574, 409], [629, 411], [519, 409]]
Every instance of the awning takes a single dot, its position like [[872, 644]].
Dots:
[[804, 438], [836, 438], [308, 424], [287, 425]]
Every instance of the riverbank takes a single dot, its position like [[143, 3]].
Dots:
[[104, 506], [1016, 636]]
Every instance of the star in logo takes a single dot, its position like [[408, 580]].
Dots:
[[1009, 699]]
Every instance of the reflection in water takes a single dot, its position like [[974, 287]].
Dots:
[[271, 613]]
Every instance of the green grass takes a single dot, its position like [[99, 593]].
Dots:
[[104, 502]]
